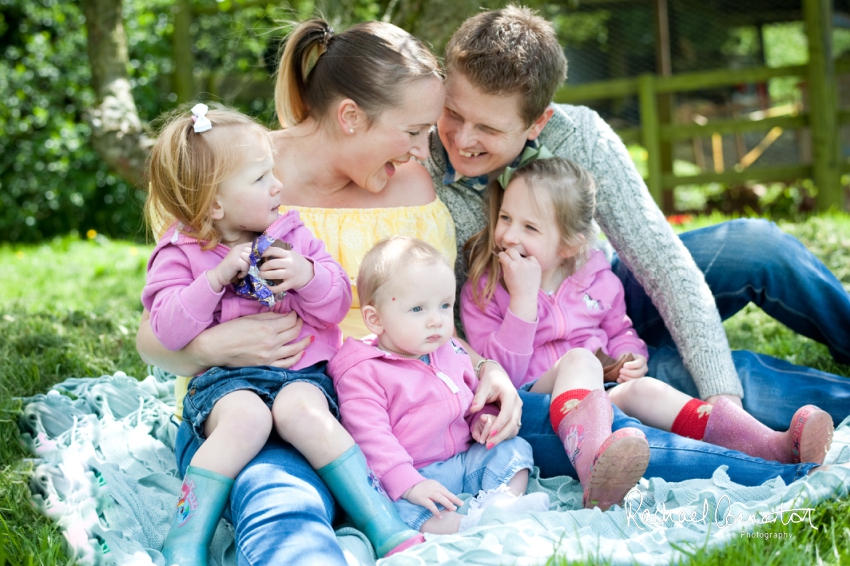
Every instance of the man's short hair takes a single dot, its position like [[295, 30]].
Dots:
[[510, 50]]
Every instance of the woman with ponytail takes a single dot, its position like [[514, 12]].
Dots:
[[355, 109]]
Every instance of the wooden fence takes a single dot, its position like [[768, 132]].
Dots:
[[823, 118]]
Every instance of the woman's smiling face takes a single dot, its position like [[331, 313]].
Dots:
[[398, 133]]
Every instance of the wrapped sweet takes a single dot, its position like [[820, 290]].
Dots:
[[252, 286]]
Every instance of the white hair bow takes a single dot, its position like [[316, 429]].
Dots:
[[202, 123]]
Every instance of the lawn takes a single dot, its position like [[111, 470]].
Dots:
[[71, 308]]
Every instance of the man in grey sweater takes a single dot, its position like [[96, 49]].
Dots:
[[503, 69]]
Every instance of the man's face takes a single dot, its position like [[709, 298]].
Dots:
[[482, 133]]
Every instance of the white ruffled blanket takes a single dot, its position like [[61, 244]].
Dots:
[[105, 472]]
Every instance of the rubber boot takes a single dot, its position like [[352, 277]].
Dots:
[[807, 440], [201, 505], [608, 465], [371, 511]]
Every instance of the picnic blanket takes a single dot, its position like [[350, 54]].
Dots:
[[104, 470]]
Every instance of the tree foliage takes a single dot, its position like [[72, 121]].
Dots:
[[50, 179]]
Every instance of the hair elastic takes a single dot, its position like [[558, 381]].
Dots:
[[199, 117], [318, 50]]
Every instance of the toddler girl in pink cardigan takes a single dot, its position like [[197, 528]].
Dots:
[[405, 394], [541, 302], [211, 173]]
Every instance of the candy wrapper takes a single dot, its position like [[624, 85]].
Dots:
[[610, 366], [252, 286]]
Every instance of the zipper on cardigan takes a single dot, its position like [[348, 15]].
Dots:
[[448, 381], [560, 328]]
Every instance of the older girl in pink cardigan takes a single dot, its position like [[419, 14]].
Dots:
[[211, 173], [547, 307]]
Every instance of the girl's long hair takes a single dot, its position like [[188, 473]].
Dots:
[[572, 192]]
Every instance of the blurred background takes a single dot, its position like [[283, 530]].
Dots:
[[726, 105]]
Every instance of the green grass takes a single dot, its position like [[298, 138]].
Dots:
[[829, 238], [67, 308], [71, 308]]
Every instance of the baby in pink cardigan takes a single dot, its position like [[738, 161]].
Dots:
[[405, 394], [542, 303]]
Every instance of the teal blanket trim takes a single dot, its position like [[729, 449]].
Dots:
[[105, 473]]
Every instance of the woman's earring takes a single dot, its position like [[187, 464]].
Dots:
[[350, 130]]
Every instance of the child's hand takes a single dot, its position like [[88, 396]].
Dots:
[[522, 278], [482, 427], [633, 369], [430, 492], [290, 268], [236, 262]]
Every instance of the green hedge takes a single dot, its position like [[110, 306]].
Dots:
[[51, 180]]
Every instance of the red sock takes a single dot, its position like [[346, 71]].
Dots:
[[556, 408], [691, 420]]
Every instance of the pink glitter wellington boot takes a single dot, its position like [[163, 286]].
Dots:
[[608, 465], [807, 440]]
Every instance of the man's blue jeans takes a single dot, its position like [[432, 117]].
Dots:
[[753, 261], [281, 510]]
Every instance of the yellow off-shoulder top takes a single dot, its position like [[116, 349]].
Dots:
[[348, 233]]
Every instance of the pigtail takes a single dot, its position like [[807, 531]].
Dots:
[[301, 53], [480, 251]]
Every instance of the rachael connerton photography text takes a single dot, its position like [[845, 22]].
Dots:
[[722, 515]]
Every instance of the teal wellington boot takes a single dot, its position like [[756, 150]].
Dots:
[[371, 511], [203, 497]]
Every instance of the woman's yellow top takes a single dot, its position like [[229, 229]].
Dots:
[[348, 233]]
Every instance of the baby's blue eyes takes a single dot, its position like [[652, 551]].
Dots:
[[420, 309]]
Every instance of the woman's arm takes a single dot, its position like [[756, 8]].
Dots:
[[494, 386], [263, 339]]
